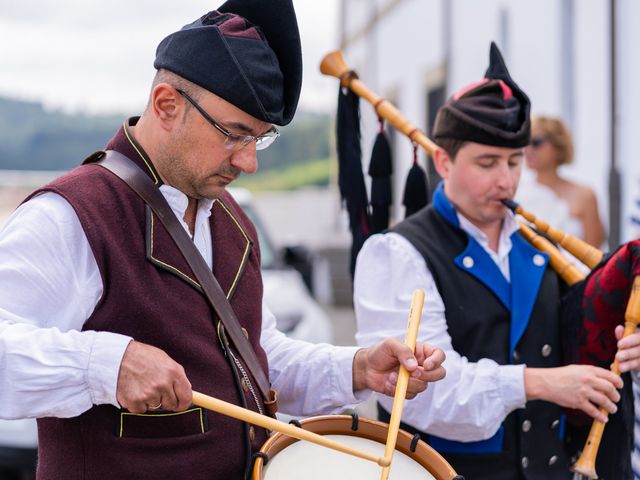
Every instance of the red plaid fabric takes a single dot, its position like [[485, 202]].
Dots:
[[605, 299]]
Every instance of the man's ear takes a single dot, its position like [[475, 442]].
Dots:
[[166, 105], [442, 161]]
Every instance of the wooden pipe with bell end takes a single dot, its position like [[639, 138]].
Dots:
[[586, 464]]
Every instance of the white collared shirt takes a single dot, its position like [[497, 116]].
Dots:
[[474, 398], [50, 285]]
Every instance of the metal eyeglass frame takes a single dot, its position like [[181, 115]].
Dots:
[[234, 141]]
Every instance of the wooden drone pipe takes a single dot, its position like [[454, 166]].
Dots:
[[587, 254], [563, 267], [333, 65]]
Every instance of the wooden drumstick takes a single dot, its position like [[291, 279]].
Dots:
[[255, 418], [403, 381]]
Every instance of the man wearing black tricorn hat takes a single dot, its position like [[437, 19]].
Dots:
[[491, 301], [104, 327]]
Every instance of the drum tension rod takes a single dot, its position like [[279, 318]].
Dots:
[[295, 422]]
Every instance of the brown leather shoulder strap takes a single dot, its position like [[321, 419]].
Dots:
[[131, 174]]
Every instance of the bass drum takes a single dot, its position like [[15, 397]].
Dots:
[[284, 458]]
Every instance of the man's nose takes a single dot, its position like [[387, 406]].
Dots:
[[505, 178], [246, 159]]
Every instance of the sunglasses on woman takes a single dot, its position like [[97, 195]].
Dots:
[[537, 141]]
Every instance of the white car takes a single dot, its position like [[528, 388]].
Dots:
[[18, 449], [297, 314], [285, 292]]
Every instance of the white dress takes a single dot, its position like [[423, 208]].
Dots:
[[545, 204]]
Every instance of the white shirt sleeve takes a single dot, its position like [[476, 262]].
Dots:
[[50, 284], [474, 398], [310, 378]]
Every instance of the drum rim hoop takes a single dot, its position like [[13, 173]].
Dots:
[[367, 428]]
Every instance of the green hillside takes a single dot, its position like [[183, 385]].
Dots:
[[32, 138]]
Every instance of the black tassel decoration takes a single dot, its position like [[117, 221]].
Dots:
[[380, 169], [416, 188], [350, 175]]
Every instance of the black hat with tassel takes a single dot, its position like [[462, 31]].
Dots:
[[493, 111], [247, 52]]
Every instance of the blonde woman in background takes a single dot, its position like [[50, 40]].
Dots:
[[552, 146]]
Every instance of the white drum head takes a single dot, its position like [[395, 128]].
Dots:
[[309, 461]]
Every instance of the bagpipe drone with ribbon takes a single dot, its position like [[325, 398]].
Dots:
[[370, 214]]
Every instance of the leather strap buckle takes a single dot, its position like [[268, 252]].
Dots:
[[271, 404]]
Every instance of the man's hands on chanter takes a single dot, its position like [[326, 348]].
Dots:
[[585, 387], [149, 380], [376, 368]]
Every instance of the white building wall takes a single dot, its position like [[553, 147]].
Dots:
[[628, 104], [403, 70], [556, 50], [592, 126], [394, 60]]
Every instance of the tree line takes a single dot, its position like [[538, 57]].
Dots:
[[33, 138]]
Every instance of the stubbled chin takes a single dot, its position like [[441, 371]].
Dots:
[[495, 211], [213, 188]]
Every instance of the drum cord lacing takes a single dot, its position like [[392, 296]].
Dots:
[[262, 455], [414, 443], [354, 421]]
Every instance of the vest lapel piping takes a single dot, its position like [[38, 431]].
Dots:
[[159, 263], [228, 286], [143, 156], [247, 248]]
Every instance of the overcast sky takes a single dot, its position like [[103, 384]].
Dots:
[[79, 55]]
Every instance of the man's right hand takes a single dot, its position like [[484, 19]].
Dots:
[[150, 380], [583, 387]]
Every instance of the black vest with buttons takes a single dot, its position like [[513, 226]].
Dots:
[[488, 317]]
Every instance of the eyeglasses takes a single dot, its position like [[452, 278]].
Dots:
[[233, 141], [537, 141]]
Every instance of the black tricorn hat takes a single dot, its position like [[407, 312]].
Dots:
[[493, 111], [247, 52]]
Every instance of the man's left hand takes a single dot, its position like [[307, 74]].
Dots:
[[376, 368]]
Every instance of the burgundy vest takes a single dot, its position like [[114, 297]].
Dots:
[[151, 294]]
